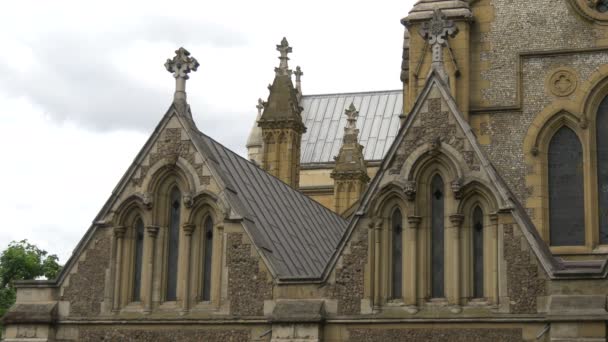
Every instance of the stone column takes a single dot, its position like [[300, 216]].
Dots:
[[188, 230], [453, 262], [149, 251], [491, 246], [411, 262], [377, 264], [119, 235]]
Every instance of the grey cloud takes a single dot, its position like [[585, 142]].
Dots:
[[77, 82]]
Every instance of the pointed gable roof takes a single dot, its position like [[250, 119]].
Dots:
[[295, 235], [555, 268]]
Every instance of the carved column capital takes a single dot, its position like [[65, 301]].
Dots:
[[188, 228], [494, 218], [152, 231], [457, 188], [414, 221], [457, 220], [410, 190], [120, 231]]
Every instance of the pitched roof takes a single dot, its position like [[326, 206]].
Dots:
[[324, 118], [296, 234]]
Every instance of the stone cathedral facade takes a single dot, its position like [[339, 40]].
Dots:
[[470, 205]]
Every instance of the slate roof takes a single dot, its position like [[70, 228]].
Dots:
[[324, 118], [297, 235]]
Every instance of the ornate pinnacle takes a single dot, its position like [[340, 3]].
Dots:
[[260, 106], [299, 74], [180, 66], [284, 49], [436, 32], [350, 131]]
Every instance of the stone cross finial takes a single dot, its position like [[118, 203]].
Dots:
[[351, 114], [180, 66], [436, 32], [284, 49], [260, 106]]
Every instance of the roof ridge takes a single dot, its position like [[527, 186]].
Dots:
[[353, 92]]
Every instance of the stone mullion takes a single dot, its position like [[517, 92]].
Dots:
[[377, 264], [188, 229], [150, 248], [491, 281], [454, 262], [217, 262], [411, 238], [119, 235]]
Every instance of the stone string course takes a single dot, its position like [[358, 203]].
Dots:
[[433, 335], [527, 26], [248, 286], [350, 282], [508, 129], [523, 279], [86, 286], [181, 335]]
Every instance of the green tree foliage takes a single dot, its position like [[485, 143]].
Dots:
[[23, 261]]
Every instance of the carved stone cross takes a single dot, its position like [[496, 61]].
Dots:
[[436, 32], [284, 49], [180, 66]]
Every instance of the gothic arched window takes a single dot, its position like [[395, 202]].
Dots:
[[478, 253], [173, 244], [437, 237], [207, 256], [139, 248], [566, 194], [397, 250], [602, 169]]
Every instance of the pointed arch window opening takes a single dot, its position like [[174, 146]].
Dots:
[[478, 272], [397, 253], [173, 244], [566, 189], [137, 269], [437, 237], [602, 169], [207, 258]]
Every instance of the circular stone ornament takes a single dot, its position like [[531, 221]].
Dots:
[[562, 82], [592, 10]]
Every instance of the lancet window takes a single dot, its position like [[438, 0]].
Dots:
[[173, 244], [397, 253], [437, 237], [207, 258], [137, 269]]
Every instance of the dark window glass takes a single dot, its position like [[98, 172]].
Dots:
[[139, 248], [397, 228], [173, 236], [602, 169], [566, 202], [207, 253], [478, 253], [437, 232]]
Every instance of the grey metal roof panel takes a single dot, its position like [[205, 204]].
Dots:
[[296, 234], [324, 118]]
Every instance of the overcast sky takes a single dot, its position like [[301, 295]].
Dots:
[[82, 86]]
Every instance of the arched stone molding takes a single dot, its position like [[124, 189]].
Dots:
[[205, 205], [140, 203], [388, 200], [123, 258], [479, 195], [536, 145], [163, 168], [389, 191], [429, 153]]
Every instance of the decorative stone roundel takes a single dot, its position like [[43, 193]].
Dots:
[[593, 10], [562, 82]]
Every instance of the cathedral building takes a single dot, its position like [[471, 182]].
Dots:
[[470, 205]]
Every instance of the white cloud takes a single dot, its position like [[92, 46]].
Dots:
[[82, 85]]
